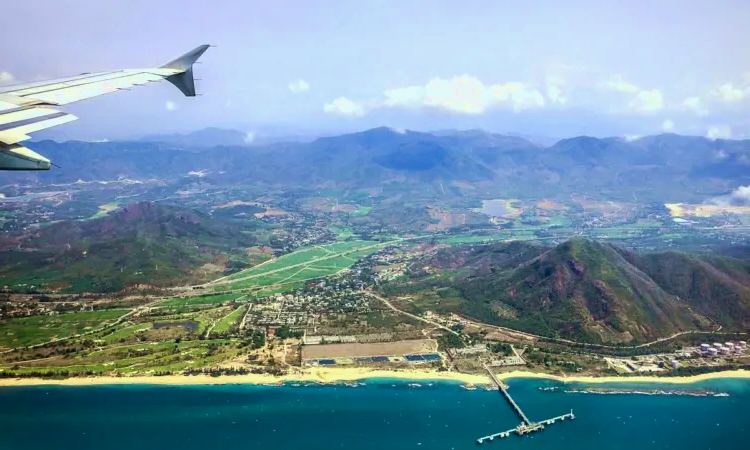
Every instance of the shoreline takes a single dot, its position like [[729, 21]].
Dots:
[[330, 376], [587, 379]]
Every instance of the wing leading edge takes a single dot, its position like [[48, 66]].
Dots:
[[26, 108]]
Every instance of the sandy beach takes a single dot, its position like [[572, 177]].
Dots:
[[638, 379], [334, 375], [314, 375]]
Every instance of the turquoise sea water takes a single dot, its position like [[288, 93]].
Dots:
[[382, 415]]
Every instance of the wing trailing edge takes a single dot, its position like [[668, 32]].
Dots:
[[26, 108]]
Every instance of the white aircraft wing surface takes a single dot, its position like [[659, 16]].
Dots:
[[30, 107]]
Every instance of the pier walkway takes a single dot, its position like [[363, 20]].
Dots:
[[526, 426], [507, 396]]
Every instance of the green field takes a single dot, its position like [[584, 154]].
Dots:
[[301, 265], [25, 331], [139, 357], [124, 332], [220, 298], [362, 210], [223, 325]]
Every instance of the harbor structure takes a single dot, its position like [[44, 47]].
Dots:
[[526, 426]]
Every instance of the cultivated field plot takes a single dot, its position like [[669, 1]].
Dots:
[[365, 350], [223, 325], [305, 264], [138, 358], [25, 331], [221, 298]]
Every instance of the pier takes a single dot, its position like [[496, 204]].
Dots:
[[526, 426]]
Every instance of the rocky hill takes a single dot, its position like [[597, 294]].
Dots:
[[591, 291]]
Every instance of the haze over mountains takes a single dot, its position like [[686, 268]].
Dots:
[[665, 167], [217, 137]]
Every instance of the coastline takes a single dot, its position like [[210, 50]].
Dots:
[[358, 374], [636, 379]]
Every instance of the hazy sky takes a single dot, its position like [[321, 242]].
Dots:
[[556, 68]]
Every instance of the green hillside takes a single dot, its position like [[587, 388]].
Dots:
[[590, 291], [141, 244]]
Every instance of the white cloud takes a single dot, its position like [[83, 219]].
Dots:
[[344, 107], [647, 101], [464, 94], [694, 104], [719, 132], [619, 85], [667, 126], [6, 78], [554, 90], [249, 137], [738, 197], [170, 105], [632, 137], [298, 86], [729, 93]]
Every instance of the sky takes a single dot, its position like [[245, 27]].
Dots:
[[558, 68]]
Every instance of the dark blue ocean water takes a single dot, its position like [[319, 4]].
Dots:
[[382, 415]]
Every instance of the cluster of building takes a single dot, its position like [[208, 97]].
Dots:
[[725, 349], [361, 338], [416, 358], [286, 240], [304, 308]]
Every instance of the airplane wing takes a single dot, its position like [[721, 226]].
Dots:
[[26, 108]]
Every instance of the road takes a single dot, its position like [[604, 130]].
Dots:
[[530, 335], [567, 341], [388, 304]]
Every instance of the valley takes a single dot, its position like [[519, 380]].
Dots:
[[244, 261]]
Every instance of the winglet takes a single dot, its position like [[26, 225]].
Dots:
[[184, 80], [186, 61]]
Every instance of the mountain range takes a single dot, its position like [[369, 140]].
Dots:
[[666, 167], [589, 291]]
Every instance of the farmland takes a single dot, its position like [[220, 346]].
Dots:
[[38, 329], [224, 325], [304, 264], [205, 299]]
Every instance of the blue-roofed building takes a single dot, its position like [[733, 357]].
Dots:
[[326, 362], [414, 358]]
